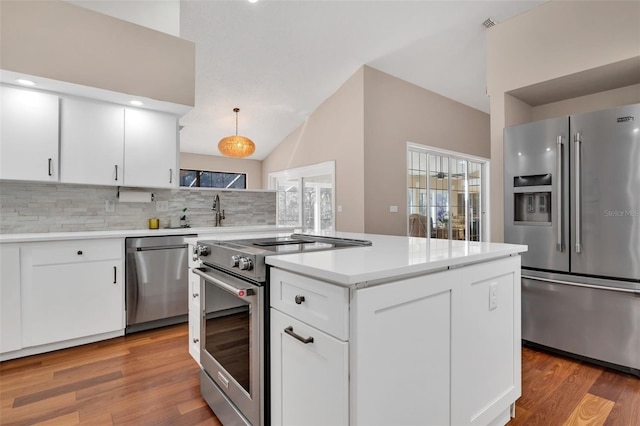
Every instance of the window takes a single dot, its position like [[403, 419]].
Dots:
[[206, 179], [306, 197], [446, 194]]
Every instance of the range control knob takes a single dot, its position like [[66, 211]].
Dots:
[[201, 250], [235, 261], [245, 264]]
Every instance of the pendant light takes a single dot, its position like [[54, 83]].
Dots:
[[236, 146]]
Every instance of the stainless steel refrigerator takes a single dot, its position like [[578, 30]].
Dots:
[[572, 194]]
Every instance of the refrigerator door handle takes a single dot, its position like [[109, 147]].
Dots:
[[577, 142], [559, 191]]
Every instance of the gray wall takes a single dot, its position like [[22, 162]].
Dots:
[[27, 207]]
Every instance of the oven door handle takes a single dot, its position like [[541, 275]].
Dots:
[[237, 291]]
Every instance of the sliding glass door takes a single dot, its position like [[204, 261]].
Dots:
[[445, 194]]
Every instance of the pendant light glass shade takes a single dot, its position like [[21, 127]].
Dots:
[[236, 146]]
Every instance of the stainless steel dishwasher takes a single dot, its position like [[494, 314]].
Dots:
[[156, 282]]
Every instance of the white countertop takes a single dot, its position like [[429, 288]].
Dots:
[[389, 257], [57, 236]]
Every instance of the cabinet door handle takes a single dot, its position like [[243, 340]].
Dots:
[[289, 331], [115, 275], [116, 166], [299, 299], [170, 175], [50, 166]]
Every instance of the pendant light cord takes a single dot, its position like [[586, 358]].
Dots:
[[236, 110]]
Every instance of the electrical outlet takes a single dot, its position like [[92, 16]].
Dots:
[[339, 208], [493, 296], [162, 206], [109, 206], [393, 209]]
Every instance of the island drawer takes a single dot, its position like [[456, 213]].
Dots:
[[314, 302]]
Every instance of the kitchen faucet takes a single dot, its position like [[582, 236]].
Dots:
[[216, 208]]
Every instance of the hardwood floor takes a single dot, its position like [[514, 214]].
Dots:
[[563, 391], [149, 379]]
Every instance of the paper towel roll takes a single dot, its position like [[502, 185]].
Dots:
[[135, 197]]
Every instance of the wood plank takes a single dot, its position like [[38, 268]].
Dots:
[[566, 396], [60, 390], [627, 408], [609, 385], [542, 387], [70, 419], [591, 411]]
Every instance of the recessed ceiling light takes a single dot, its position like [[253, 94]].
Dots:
[[520, 154], [548, 149], [253, 1], [25, 82], [136, 103]]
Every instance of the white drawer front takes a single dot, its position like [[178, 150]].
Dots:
[[320, 304], [76, 251]]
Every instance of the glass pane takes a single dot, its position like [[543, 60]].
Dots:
[[458, 199], [188, 178], [439, 196], [288, 203], [317, 212], [475, 197], [234, 180], [227, 335], [206, 179]]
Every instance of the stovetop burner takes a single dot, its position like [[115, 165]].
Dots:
[[247, 257], [279, 241]]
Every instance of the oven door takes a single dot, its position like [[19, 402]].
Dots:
[[231, 339]]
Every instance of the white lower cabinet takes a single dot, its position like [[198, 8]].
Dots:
[[437, 349], [309, 374], [71, 290], [10, 313]]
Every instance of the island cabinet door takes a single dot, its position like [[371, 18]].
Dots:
[[486, 376], [309, 375], [401, 351]]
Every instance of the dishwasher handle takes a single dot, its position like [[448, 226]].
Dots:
[[171, 247]]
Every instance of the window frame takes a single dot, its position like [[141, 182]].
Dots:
[[300, 174], [198, 179], [485, 194]]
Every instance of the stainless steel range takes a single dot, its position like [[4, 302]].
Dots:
[[234, 325]]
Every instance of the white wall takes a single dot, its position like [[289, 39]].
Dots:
[[365, 127], [160, 15], [335, 131], [64, 42]]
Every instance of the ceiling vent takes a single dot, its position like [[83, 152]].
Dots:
[[490, 22]]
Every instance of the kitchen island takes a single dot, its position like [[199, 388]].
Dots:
[[406, 331]]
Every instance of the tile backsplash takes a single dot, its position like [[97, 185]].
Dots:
[[27, 207]]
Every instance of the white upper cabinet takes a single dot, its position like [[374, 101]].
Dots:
[[29, 135], [150, 149], [91, 142]]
